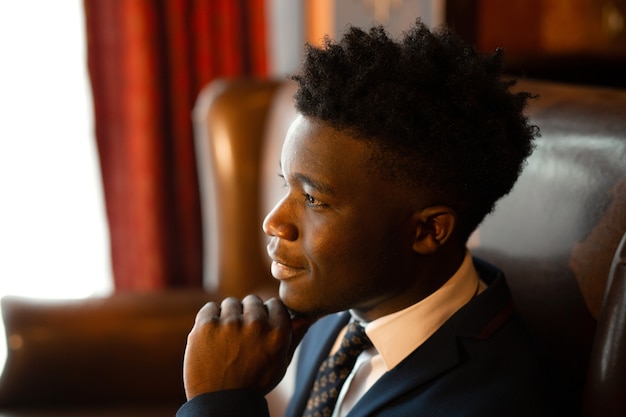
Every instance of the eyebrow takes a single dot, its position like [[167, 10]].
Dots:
[[317, 185]]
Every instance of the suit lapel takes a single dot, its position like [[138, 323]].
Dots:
[[313, 350], [439, 354], [443, 350], [428, 361]]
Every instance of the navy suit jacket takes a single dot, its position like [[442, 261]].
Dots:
[[481, 362]]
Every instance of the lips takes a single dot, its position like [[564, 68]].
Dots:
[[282, 269], [282, 272]]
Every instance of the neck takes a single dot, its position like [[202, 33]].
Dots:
[[427, 274]]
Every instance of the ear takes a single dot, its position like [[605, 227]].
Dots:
[[433, 227]]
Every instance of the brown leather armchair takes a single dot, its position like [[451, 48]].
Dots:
[[119, 355]]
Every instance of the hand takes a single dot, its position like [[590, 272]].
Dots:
[[240, 345]]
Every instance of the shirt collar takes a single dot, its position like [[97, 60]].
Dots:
[[389, 333]]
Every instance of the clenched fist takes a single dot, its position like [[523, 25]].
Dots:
[[238, 345]]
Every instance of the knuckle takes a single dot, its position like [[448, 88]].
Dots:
[[253, 298], [257, 321], [230, 302], [231, 321], [207, 313]]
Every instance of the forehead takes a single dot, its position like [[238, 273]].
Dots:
[[317, 148]]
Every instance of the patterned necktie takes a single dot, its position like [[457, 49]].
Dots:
[[334, 371]]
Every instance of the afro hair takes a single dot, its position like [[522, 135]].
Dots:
[[440, 113]]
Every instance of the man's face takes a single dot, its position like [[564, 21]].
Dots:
[[340, 236]]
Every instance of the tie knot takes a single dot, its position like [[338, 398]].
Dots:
[[355, 338]]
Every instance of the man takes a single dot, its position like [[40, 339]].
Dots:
[[399, 151]]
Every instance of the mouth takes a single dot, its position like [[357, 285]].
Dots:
[[283, 271]]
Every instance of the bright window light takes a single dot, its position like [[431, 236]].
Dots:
[[53, 234]]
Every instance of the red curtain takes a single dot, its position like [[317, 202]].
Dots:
[[148, 60]]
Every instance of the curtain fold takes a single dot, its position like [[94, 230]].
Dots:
[[147, 61]]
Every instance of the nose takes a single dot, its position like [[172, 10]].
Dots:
[[278, 222]]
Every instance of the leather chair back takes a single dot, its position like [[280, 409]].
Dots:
[[556, 234], [239, 128]]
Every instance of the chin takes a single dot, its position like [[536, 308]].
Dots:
[[296, 309], [299, 308]]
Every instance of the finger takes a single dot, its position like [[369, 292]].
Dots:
[[231, 307], [254, 308], [208, 312], [252, 301], [278, 314]]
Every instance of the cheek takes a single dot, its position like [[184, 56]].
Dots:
[[336, 249]]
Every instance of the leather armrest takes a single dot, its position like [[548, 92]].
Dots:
[[125, 348]]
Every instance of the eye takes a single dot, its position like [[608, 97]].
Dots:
[[312, 201]]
